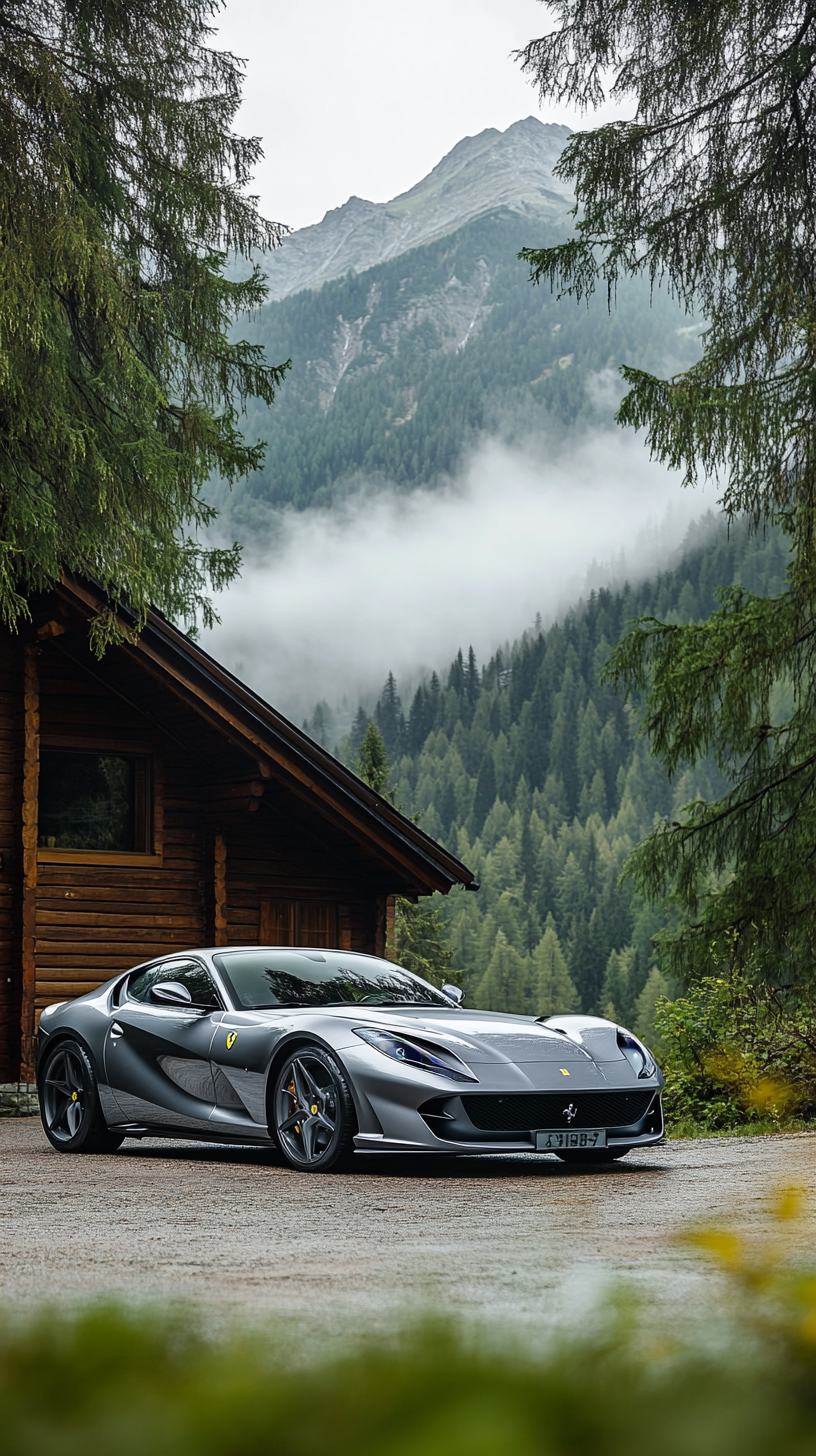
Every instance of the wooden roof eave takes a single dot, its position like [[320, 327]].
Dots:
[[319, 789], [312, 772]]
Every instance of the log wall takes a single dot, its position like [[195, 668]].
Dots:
[[269, 858], [223, 843]]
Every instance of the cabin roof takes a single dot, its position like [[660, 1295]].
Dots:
[[279, 748]]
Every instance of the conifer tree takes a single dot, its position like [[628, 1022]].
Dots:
[[572, 899], [420, 719], [485, 944], [421, 944], [446, 806], [321, 727], [506, 984], [709, 192], [389, 718], [122, 190], [616, 1001], [456, 676], [472, 680], [372, 761], [657, 988], [527, 866], [485, 795], [359, 729], [553, 988]]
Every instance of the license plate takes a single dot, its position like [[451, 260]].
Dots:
[[588, 1137]]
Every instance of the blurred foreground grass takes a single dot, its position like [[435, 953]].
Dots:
[[111, 1383]]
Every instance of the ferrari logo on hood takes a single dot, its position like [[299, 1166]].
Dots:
[[563, 1071]]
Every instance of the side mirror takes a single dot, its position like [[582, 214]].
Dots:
[[170, 993], [454, 994]]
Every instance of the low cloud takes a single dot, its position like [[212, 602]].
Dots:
[[401, 581]]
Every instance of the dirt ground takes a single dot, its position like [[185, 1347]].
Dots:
[[521, 1241]]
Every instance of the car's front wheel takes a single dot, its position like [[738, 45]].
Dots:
[[312, 1112], [69, 1102]]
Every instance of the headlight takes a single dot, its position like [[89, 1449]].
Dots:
[[412, 1055], [640, 1060]]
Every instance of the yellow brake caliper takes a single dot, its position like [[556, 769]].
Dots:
[[293, 1094]]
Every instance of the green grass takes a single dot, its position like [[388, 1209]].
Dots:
[[688, 1128]]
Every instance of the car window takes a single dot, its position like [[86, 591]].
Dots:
[[275, 977], [191, 974]]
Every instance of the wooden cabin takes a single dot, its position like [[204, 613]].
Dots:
[[150, 802]]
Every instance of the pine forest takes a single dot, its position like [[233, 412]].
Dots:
[[532, 770]]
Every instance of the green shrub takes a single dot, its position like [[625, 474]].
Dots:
[[736, 1053]]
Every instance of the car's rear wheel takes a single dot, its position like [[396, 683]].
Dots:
[[313, 1116], [69, 1102], [592, 1155]]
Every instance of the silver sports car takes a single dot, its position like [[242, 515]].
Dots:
[[324, 1054]]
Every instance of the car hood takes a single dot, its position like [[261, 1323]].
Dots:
[[487, 1036]]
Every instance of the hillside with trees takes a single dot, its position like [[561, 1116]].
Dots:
[[532, 770], [398, 369]]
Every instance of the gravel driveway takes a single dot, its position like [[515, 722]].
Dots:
[[522, 1240]]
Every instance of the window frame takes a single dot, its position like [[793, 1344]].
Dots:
[[130, 748]]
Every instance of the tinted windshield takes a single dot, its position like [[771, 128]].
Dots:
[[259, 978]]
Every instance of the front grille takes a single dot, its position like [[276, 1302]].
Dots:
[[523, 1111]]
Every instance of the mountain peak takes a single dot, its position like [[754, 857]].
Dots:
[[353, 205], [510, 169]]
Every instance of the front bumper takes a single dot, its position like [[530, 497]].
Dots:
[[495, 1123]]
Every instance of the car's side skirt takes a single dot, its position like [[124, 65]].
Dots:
[[183, 1134]]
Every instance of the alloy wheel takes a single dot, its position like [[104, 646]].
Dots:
[[64, 1094], [307, 1111]]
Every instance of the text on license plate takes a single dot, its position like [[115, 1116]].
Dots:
[[588, 1137]]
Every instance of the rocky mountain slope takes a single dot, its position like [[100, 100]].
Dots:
[[511, 169], [414, 332]]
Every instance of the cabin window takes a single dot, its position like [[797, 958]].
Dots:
[[298, 922], [94, 801]]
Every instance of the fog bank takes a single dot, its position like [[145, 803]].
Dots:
[[402, 581]]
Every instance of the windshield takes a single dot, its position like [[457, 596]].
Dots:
[[265, 978]]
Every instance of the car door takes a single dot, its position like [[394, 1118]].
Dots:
[[157, 1057], [241, 1051]]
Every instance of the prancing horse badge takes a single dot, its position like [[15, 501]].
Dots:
[[231, 1039]]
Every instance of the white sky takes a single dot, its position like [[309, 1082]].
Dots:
[[364, 97]]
